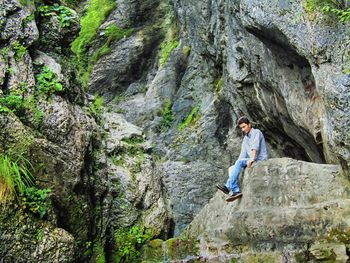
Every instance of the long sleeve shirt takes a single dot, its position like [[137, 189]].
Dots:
[[254, 140]]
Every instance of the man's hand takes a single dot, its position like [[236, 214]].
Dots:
[[250, 163]]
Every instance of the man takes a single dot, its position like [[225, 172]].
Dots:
[[253, 149]]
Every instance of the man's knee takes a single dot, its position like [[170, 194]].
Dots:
[[241, 162]]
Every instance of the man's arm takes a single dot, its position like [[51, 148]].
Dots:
[[253, 157]]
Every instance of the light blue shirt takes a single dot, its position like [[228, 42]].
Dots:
[[254, 140]]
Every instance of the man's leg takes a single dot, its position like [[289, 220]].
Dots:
[[234, 171]]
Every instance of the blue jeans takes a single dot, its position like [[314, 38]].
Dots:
[[233, 172]]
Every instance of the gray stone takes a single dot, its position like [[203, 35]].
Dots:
[[286, 205]]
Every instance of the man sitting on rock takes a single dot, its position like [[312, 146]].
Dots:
[[253, 149]]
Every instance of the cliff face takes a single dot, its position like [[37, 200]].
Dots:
[[175, 76], [272, 61]]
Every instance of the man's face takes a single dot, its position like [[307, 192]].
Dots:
[[245, 128]]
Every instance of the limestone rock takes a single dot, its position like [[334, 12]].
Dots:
[[286, 205], [26, 239]]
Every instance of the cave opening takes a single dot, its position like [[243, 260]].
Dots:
[[286, 129]]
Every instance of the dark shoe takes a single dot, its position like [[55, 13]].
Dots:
[[222, 188], [234, 196]]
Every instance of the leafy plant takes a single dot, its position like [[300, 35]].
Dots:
[[191, 118], [47, 82], [19, 49], [15, 177], [330, 7], [343, 15], [97, 105], [65, 14], [36, 200], [27, 20], [167, 118], [128, 243]]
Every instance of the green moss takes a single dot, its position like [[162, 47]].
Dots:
[[191, 118], [180, 248], [96, 13], [166, 48], [186, 50]]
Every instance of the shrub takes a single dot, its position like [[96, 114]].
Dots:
[[19, 50], [191, 118], [15, 177], [167, 118], [36, 201], [328, 6], [47, 82], [128, 243], [97, 105], [65, 14]]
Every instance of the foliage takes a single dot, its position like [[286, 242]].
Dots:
[[128, 243], [96, 13], [47, 82], [18, 103], [166, 48], [65, 14], [191, 118], [118, 159], [27, 20], [19, 49], [4, 52], [167, 118], [343, 15], [99, 255], [26, 2], [15, 177], [36, 200], [218, 84], [96, 106], [134, 140], [328, 6]]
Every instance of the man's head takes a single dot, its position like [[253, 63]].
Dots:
[[244, 125]]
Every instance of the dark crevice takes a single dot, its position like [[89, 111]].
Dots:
[[278, 43], [223, 122]]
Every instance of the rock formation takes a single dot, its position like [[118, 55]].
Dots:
[[290, 209], [175, 76]]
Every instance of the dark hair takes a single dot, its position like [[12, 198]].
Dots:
[[243, 120]]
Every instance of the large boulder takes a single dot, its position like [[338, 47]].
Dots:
[[287, 206]]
